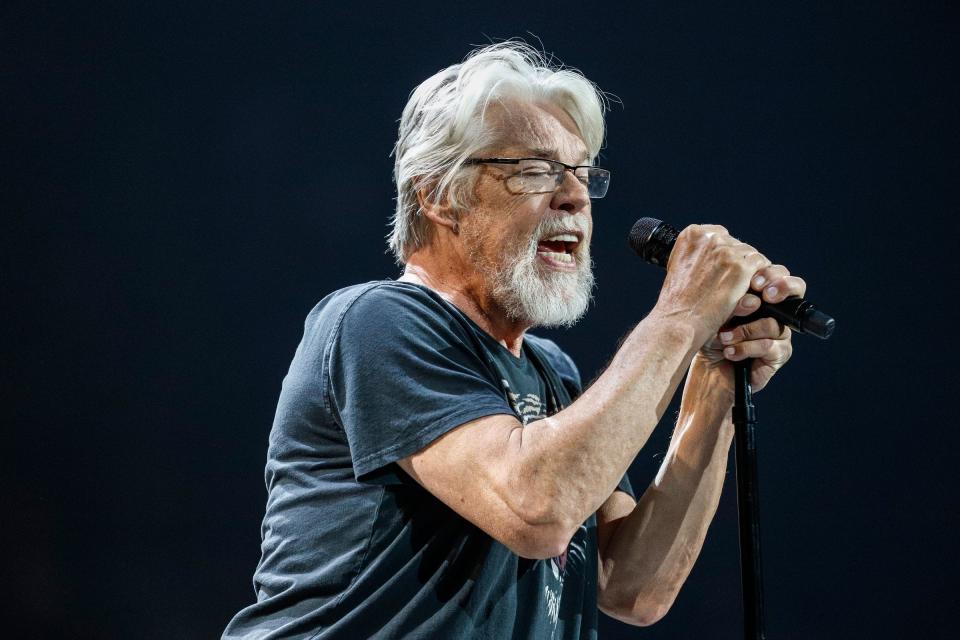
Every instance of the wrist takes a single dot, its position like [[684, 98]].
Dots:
[[676, 331], [700, 332], [709, 384], [704, 430]]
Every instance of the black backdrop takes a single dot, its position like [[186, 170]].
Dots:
[[181, 183]]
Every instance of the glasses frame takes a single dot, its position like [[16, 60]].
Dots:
[[559, 174]]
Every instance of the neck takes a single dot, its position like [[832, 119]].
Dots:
[[466, 289]]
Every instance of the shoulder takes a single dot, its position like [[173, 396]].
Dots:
[[556, 358], [378, 295], [377, 308], [376, 323]]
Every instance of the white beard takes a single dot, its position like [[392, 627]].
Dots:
[[529, 291]]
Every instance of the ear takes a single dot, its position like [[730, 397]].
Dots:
[[437, 211]]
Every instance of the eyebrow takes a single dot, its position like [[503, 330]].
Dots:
[[551, 154]]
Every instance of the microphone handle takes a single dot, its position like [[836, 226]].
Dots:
[[797, 313]]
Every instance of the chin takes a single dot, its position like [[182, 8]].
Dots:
[[551, 298]]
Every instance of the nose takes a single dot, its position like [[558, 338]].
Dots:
[[571, 196]]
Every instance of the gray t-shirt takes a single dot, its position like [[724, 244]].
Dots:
[[352, 546]]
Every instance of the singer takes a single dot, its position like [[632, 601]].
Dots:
[[436, 471]]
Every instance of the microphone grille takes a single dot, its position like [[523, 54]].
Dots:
[[641, 232], [652, 239]]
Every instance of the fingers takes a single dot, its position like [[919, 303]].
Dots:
[[756, 330], [774, 290], [769, 350], [782, 288], [762, 338], [747, 305], [750, 256], [775, 283], [766, 276]]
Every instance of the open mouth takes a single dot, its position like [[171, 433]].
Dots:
[[559, 248]]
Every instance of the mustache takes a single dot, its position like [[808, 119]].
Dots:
[[552, 226]]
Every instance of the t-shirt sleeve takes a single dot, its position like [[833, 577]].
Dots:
[[402, 371]]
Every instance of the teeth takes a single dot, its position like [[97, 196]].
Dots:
[[559, 257], [566, 237]]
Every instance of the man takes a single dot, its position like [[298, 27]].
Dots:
[[432, 472]]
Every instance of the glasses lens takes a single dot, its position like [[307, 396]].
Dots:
[[596, 180], [534, 176]]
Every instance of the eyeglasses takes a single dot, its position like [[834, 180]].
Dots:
[[537, 175]]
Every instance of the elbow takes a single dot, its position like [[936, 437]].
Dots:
[[635, 611], [541, 534], [648, 616], [540, 526], [540, 541]]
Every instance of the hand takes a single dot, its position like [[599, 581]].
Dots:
[[707, 274], [764, 340]]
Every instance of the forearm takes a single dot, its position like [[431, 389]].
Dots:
[[653, 549], [571, 462]]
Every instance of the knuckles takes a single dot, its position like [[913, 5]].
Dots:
[[710, 234]]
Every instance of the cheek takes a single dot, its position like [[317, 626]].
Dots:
[[511, 222], [519, 207], [526, 212]]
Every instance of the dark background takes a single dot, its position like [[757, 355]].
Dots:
[[182, 183]]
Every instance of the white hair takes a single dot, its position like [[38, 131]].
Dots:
[[443, 125]]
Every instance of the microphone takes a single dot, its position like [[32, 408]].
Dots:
[[653, 240]]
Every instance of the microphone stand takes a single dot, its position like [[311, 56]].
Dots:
[[653, 241], [748, 501]]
